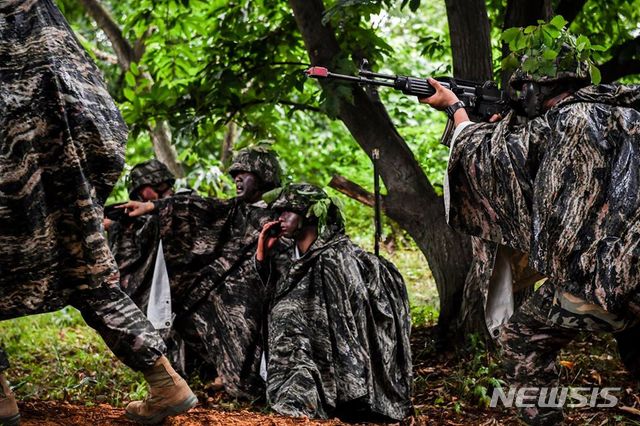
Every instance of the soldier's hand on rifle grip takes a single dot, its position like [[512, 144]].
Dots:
[[137, 208], [267, 239], [442, 99]]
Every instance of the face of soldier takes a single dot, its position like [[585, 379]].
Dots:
[[151, 193], [248, 187], [290, 223]]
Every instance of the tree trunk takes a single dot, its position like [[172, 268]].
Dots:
[[469, 31], [411, 200], [229, 140], [126, 54]]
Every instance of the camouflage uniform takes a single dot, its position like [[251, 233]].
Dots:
[[61, 150], [563, 189], [134, 243], [218, 296], [338, 325]]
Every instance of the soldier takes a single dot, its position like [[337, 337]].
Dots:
[[562, 187], [216, 293], [338, 324], [136, 247], [62, 148]]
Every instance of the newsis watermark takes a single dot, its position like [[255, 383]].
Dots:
[[555, 397]]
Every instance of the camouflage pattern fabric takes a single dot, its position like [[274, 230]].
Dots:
[[218, 296], [62, 149], [563, 187], [533, 337], [152, 172], [134, 244], [338, 333]]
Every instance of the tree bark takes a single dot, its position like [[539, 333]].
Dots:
[[411, 200], [469, 31], [126, 54], [227, 143], [569, 9], [354, 191]]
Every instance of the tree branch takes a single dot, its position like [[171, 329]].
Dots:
[[353, 190], [622, 61], [122, 47], [100, 54], [569, 9]]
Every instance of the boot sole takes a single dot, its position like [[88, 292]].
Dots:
[[173, 410], [10, 421]]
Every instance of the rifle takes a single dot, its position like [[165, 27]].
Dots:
[[481, 100], [115, 214]]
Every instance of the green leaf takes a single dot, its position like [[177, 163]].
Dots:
[[530, 29], [130, 79], [549, 54], [530, 65], [270, 196], [558, 22], [510, 34], [582, 43], [594, 72], [129, 94], [134, 69]]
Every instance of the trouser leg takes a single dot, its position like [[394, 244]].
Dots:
[[225, 341], [530, 346], [629, 348], [124, 328]]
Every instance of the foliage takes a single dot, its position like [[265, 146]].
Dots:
[[548, 49]]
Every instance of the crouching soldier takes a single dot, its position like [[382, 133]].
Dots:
[[217, 295], [338, 325], [136, 246]]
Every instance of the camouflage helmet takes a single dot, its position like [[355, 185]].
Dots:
[[564, 67], [307, 200], [260, 161], [548, 53], [152, 172]]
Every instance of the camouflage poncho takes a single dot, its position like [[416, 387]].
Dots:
[[338, 333], [218, 296], [564, 188], [61, 151]]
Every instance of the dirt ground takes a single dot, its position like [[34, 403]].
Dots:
[[448, 391]]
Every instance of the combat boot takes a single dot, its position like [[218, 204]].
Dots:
[[169, 395], [9, 415]]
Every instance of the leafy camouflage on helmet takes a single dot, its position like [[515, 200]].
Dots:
[[152, 172], [548, 53], [260, 161], [307, 200]]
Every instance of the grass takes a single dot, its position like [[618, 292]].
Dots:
[[57, 356]]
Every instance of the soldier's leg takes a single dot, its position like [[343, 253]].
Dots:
[[132, 338], [124, 328], [210, 333], [629, 349], [530, 345], [9, 414]]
